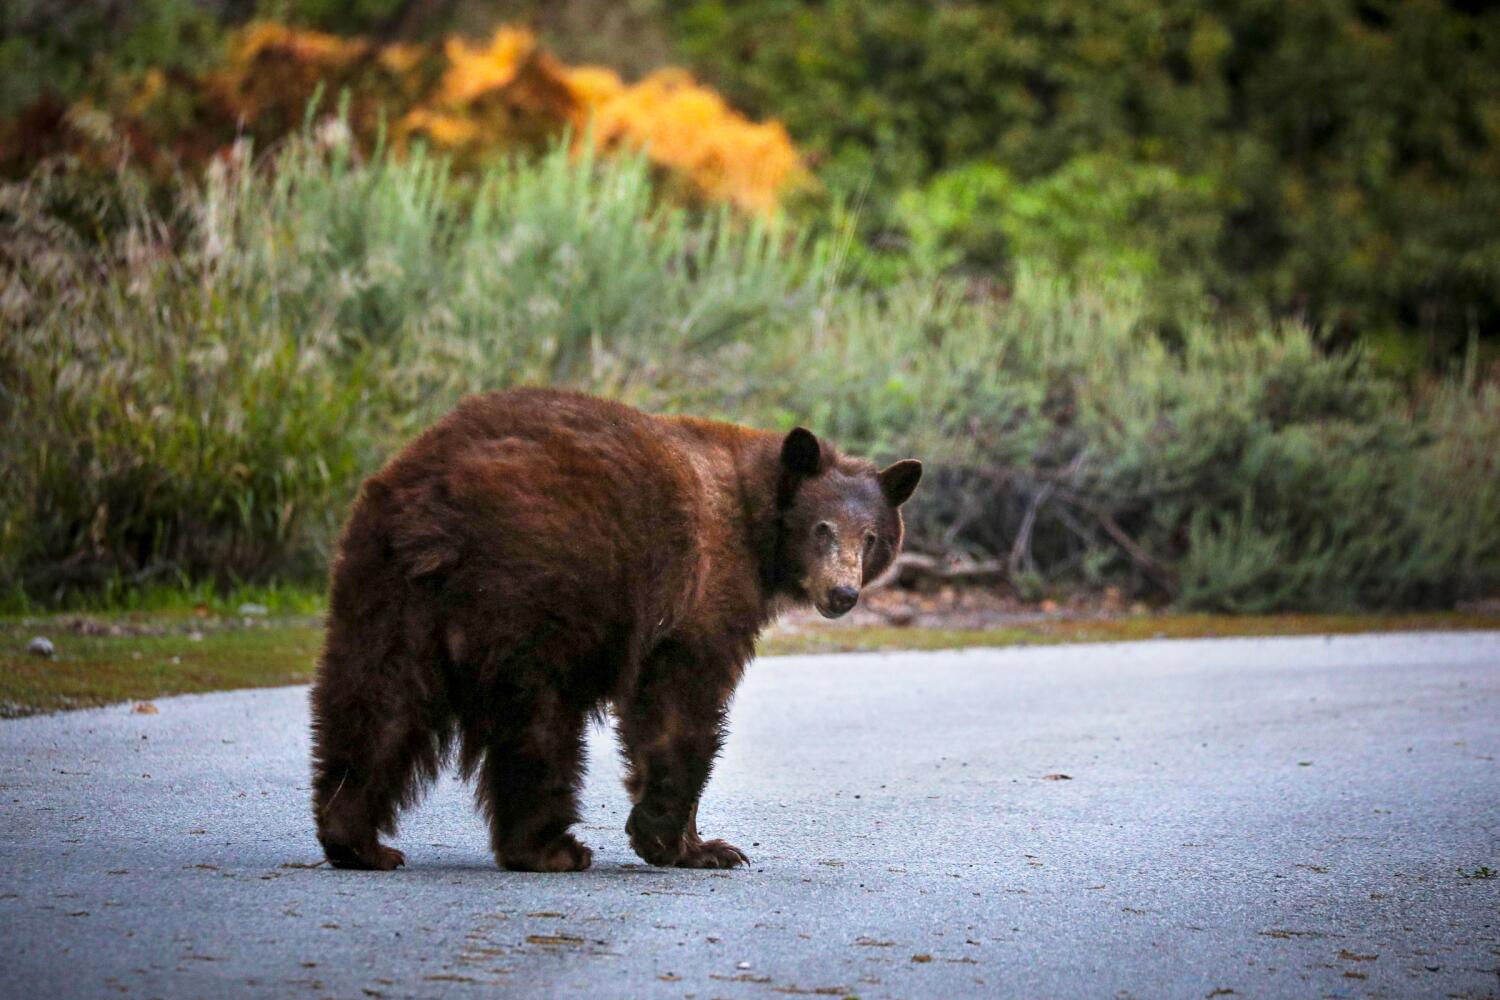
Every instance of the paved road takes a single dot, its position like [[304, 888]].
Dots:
[[1272, 818]]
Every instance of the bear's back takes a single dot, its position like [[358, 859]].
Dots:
[[557, 510]]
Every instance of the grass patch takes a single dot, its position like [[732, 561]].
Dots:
[[177, 601], [1057, 631], [90, 670], [181, 655]]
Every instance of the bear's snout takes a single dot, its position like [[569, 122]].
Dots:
[[839, 601]]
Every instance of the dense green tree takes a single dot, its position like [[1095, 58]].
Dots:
[[1353, 145], [1333, 159]]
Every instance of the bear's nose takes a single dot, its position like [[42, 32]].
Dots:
[[841, 599]]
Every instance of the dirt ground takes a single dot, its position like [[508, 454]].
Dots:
[[967, 607]]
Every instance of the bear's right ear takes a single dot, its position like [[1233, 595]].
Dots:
[[800, 453], [898, 481]]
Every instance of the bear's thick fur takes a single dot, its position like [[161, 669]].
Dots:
[[538, 556]]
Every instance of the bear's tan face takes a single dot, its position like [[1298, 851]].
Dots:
[[844, 529]]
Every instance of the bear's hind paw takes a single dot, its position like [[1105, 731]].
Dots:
[[711, 854], [564, 854], [377, 858]]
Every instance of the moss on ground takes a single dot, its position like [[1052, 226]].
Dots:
[[176, 655], [1127, 628], [92, 670]]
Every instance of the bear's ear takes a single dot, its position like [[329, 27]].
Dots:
[[800, 452], [899, 480]]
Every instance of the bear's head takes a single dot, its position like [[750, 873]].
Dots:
[[840, 521]]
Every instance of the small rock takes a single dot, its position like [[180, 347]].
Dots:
[[742, 965], [1113, 600], [145, 708], [40, 646], [259, 610], [901, 617]]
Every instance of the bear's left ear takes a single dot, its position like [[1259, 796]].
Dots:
[[801, 454], [899, 480]]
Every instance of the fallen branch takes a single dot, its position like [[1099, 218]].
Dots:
[[916, 571], [1163, 577], [1021, 549]]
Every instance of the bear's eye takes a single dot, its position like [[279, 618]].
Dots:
[[869, 541], [823, 531]]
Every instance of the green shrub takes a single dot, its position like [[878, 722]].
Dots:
[[60, 48], [1234, 471], [195, 396], [1097, 219], [1351, 146], [1334, 162], [161, 421], [198, 396]]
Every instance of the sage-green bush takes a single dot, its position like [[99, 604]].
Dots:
[[195, 397], [1243, 471]]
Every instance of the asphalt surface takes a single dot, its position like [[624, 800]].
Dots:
[[1248, 818]]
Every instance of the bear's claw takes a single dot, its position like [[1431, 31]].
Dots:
[[711, 854]]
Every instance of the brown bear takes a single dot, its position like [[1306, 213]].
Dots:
[[538, 557]]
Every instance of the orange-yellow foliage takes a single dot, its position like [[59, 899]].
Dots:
[[313, 47], [678, 123], [474, 71], [470, 101], [688, 127]]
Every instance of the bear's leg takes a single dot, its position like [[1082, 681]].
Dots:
[[372, 755], [672, 730], [528, 783]]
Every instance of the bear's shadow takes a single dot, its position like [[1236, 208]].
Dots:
[[607, 872]]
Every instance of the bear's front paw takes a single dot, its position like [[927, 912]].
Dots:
[[375, 857], [662, 842], [654, 836], [711, 854], [563, 854]]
